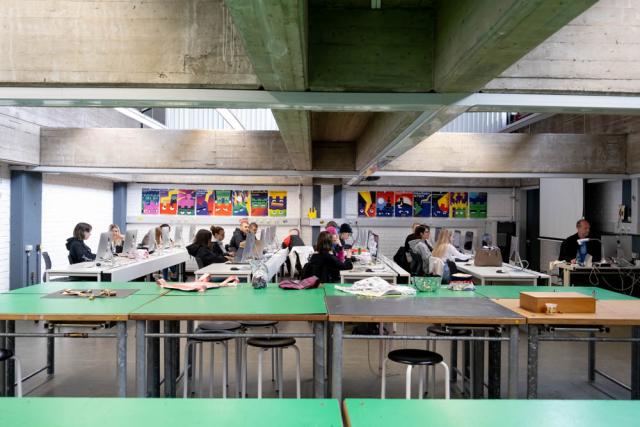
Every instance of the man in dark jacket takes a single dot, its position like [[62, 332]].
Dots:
[[78, 250], [570, 246], [239, 236]]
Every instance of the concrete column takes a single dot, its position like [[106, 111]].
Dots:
[[337, 201], [26, 228], [120, 205]]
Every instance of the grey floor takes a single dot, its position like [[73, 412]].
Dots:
[[87, 367]]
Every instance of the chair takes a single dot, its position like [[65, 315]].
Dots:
[[250, 324], [6, 355], [47, 266], [199, 262], [277, 344], [211, 328], [415, 357], [439, 330]]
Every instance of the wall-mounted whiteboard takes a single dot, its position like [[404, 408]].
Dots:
[[561, 205]]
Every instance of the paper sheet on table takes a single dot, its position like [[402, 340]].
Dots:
[[376, 287]]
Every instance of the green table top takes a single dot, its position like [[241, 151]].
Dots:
[[35, 307], [490, 413], [246, 290], [107, 412], [513, 292], [247, 304], [442, 292], [144, 288]]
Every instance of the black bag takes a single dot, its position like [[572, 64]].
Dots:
[[453, 268], [400, 258]]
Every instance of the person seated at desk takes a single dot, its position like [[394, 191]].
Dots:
[[331, 224], [117, 239], [78, 250], [157, 234], [345, 236], [570, 248], [216, 243], [293, 239], [201, 248], [420, 247], [445, 250], [338, 250], [253, 228], [413, 236], [323, 263], [239, 236]]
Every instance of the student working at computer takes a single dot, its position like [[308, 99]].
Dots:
[[216, 245], [420, 248], [445, 250], [572, 251], [78, 250], [324, 264], [117, 239], [239, 236], [202, 249], [157, 235]]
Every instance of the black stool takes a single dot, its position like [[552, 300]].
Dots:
[[415, 357], [276, 344], [212, 328], [241, 350], [6, 355]]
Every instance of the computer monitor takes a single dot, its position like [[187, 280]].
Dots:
[[149, 240], [263, 234], [104, 247], [166, 237], [514, 253], [373, 242], [249, 245], [192, 232], [130, 241], [468, 241], [457, 239], [487, 240], [177, 238], [617, 247]]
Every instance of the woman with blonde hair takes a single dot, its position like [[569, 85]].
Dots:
[[445, 250]]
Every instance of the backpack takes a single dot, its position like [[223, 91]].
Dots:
[[400, 258]]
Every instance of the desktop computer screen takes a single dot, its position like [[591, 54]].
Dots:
[[104, 247], [373, 242]]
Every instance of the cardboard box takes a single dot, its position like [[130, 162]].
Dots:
[[568, 302]]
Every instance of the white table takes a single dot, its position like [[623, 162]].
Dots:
[[510, 274], [224, 270], [359, 272], [401, 272], [122, 270]]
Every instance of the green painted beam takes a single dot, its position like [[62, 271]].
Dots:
[[369, 50], [476, 40], [275, 37]]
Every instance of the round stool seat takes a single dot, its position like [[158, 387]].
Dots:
[[219, 326], [213, 337], [415, 356], [271, 342], [5, 354], [441, 331], [258, 323]]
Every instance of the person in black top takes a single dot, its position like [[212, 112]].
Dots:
[[78, 250], [239, 236], [345, 234], [569, 248], [201, 248], [324, 264], [216, 246]]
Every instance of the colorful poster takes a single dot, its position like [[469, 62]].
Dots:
[[384, 203], [458, 205], [186, 202], [440, 205], [168, 202], [240, 203], [422, 204], [259, 202], [278, 203], [366, 203], [477, 205], [204, 202], [223, 203], [150, 202], [404, 204]]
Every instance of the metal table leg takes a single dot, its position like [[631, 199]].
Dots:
[[141, 358], [51, 351], [153, 360], [591, 362], [239, 369], [122, 359], [514, 341], [171, 357], [495, 361], [336, 363], [3, 367], [477, 362], [532, 362], [11, 345], [318, 360], [635, 364], [188, 376]]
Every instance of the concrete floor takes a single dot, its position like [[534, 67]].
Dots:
[[87, 367]]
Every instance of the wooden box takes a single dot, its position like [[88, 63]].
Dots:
[[568, 302]]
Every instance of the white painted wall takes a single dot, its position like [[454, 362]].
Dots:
[[67, 200], [5, 209]]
